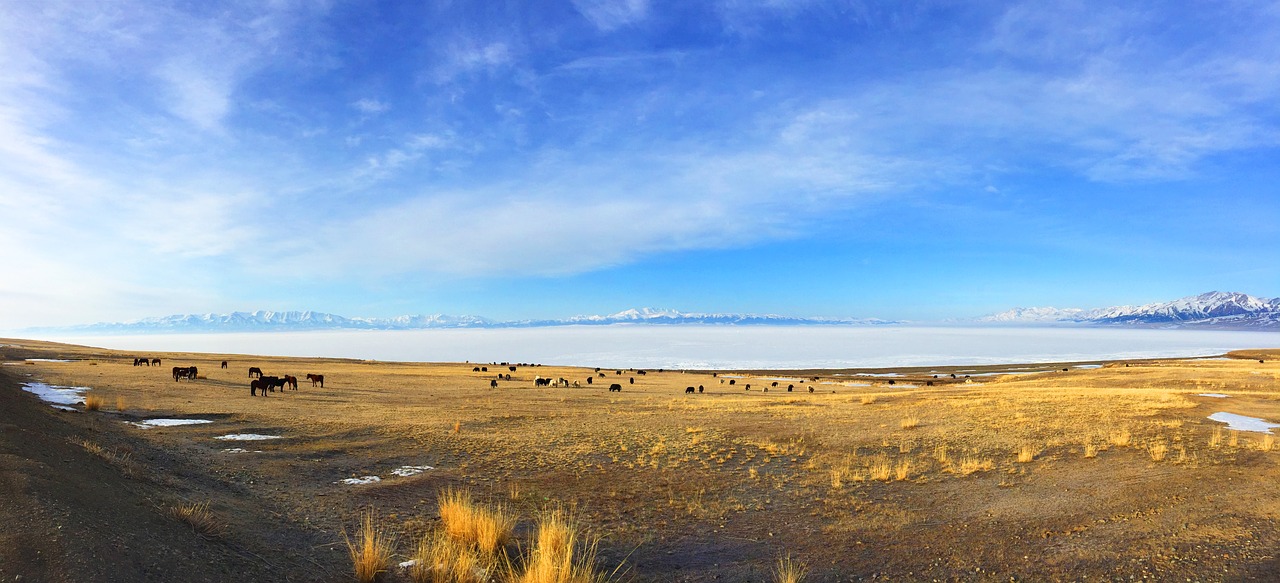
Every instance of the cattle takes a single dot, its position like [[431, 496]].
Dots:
[[928, 383], [588, 380], [475, 369], [575, 383], [597, 369], [700, 388], [631, 380], [541, 382], [688, 390], [292, 381], [715, 374], [484, 369], [618, 373], [493, 384], [253, 370], [155, 361], [257, 385], [732, 381], [615, 387], [640, 372], [1063, 370], [788, 388], [749, 387], [316, 378], [224, 364], [774, 384], [506, 377], [953, 375], [810, 388], [511, 368], [601, 375], [1262, 361], [891, 382], [184, 372]]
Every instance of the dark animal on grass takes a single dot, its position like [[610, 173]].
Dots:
[[257, 385], [475, 369], [541, 382], [155, 361], [749, 387], [292, 381], [316, 378], [891, 382], [953, 375], [493, 384], [484, 369], [184, 372], [631, 380], [601, 375], [811, 390], [253, 370], [273, 383], [774, 384], [732, 382], [511, 368], [688, 390], [788, 388], [224, 364], [615, 387], [141, 361], [588, 380], [506, 377], [640, 372], [928, 383], [700, 388]]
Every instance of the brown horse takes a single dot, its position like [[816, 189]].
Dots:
[[292, 381], [257, 385], [316, 378], [255, 370]]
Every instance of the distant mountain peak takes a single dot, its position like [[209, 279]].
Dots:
[[1213, 309]]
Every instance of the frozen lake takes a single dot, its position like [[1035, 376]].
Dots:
[[753, 347]]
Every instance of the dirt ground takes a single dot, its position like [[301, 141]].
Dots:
[[1101, 471]]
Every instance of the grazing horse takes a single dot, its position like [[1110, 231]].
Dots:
[[273, 382], [475, 369], [155, 361], [253, 370], [688, 390], [316, 378], [257, 385], [224, 364], [493, 384], [615, 387], [184, 372], [292, 381], [141, 361]]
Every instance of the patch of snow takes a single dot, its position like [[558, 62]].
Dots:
[[246, 437], [239, 450], [57, 395], [66, 408], [48, 360], [1088, 366], [1217, 395], [405, 471], [149, 423], [360, 480], [879, 374], [1243, 423], [408, 564]]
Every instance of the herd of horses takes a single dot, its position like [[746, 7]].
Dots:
[[259, 385]]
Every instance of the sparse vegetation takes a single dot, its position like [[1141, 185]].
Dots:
[[911, 422], [558, 555], [371, 550], [92, 402], [788, 571], [198, 516], [487, 528]]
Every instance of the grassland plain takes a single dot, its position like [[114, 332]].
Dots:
[[1104, 473]]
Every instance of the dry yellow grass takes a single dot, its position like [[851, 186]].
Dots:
[[1268, 442], [788, 571], [911, 422], [1157, 450], [880, 469], [970, 464], [868, 399], [557, 554], [92, 401], [371, 550], [198, 516], [120, 403], [487, 528], [1215, 438], [1090, 449], [903, 470], [1120, 438], [440, 558], [1027, 453]]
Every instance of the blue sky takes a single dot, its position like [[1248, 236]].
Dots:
[[920, 160]]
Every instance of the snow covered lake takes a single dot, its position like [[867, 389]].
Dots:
[[709, 346]]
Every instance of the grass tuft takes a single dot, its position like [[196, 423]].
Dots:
[[1090, 449], [488, 529], [788, 571], [371, 550], [198, 517], [868, 399], [911, 422], [120, 406], [92, 402], [970, 465], [1027, 453], [1120, 438], [558, 556], [440, 558], [880, 469], [1157, 450]]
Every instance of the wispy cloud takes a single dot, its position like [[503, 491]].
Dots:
[[608, 15], [371, 106]]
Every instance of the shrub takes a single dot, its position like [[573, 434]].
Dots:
[[371, 551], [198, 516], [92, 402], [557, 555], [487, 529]]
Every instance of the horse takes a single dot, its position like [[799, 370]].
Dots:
[[155, 361], [292, 381], [187, 372], [688, 390], [255, 370], [257, 385], [224, 364], [615, 387], [273, 382], [316, 378]]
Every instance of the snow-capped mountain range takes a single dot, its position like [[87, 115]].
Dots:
[[306, 320], [1227, 310]]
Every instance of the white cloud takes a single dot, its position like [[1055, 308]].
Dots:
[[371, 106], [465, 55], [608, 15]]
